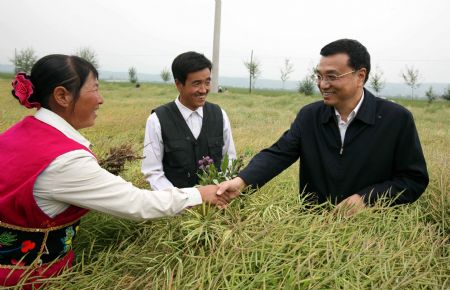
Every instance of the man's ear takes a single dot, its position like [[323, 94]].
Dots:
[[362, 75], [62, 96], [179, 85]]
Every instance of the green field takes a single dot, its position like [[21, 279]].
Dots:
[[266, 240]]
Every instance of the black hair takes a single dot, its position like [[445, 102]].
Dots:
[[189, 62], [51, 71], [359, 57]]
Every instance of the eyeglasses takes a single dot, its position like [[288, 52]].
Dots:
[[331, 78]]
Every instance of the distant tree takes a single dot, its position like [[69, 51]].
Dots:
[[376, 81], [89, 55], [132, 74], [430, 95], [307, 86], [411, 78], [446, 95], [24, 61], [165, 75], [286, 70], [254, 71]]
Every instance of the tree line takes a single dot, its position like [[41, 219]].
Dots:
[[25, 59]]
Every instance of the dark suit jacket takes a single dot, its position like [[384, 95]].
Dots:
[[381, 154]]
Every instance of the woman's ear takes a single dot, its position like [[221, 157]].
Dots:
[[62, 96]]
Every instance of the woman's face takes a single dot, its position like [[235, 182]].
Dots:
[[85, 108]]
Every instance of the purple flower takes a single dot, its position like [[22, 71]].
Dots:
[[204, 163], [209, 160]]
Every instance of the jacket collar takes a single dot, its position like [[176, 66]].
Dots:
[[366, 112]]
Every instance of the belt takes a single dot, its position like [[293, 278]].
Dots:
[[24, 248]]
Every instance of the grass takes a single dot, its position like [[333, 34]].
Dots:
[[269, 239]]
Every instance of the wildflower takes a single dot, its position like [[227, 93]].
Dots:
[[205, 162]]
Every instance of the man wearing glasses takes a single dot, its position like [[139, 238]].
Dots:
[[354, 148]]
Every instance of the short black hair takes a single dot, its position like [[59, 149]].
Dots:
[[51, 71], [189, 62], [358, 55]]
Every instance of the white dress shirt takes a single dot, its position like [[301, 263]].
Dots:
[[343, 125], [152, 166], [75, 178]]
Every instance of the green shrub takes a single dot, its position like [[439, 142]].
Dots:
[[307, 86]]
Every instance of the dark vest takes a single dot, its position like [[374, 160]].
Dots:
[[181, 150]]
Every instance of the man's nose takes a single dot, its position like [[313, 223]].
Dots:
[[203, 88], [322, 84]]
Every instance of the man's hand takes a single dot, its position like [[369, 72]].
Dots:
[[231, 188], [351, 205], [208, 193]]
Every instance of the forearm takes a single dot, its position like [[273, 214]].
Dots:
[[124, 200], [76, 179], [272, 161], [266, 165], [398, 190]]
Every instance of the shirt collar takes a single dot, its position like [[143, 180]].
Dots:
[[352, 113], [185, 111], [366, 112], [61, 125]]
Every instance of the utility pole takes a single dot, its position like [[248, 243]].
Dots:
[[216, 47]]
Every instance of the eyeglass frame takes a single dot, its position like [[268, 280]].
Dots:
[[327, 79]]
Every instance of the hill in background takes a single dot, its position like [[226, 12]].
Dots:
[[391, 89], [397, 90]]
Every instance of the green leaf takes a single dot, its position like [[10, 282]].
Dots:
[[7, 238], [224, 164]]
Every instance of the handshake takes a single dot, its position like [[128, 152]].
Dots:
[[221, 195]]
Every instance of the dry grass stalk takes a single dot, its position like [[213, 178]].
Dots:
[[115, 160]]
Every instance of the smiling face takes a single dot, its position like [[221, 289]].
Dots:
[[344, 91], [195, 89], [84, 110]]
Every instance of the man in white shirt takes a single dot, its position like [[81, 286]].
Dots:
[[180, 133]]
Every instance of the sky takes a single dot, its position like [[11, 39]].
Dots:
[[149, 34]]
